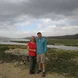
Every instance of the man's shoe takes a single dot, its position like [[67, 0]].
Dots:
[[43, 74], [38, 71]]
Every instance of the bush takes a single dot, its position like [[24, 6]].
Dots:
[[8, 57], [61, 61], [3, 56]]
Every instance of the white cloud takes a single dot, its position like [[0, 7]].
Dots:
[[15, 34], [59, 30], [53, 23]]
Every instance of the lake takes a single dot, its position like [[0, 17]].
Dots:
[[12, 39], [49, 46]]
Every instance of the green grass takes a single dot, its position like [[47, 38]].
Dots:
[[68, 42], [13, 46], [20, 41], [62, 62]]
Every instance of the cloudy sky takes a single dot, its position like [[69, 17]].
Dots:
[[23, 18]]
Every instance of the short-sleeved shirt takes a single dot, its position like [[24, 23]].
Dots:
[[32, 46]]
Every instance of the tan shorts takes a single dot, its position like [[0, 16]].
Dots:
[[41, 58]]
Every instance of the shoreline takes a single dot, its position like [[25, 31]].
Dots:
[[48, 46]]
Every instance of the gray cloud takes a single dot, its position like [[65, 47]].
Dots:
[[11, 10], [37, 8], [43, 7]]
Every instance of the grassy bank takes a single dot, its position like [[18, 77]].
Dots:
[[20, 41], [63, 62], [12, 46], [68, 42], [8, 57]]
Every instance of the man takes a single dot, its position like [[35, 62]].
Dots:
[[41, 50]]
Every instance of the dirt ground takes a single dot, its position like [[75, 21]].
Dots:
[[9, 70]]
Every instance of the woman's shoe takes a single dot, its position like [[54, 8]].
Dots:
[[31, 72]]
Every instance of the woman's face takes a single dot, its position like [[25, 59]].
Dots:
[[33, 38]]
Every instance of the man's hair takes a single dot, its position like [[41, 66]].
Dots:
[[38, 33]]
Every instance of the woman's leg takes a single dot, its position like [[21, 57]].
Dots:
[[34, 63], [30, 64]]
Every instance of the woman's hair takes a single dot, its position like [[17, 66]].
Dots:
[[34, 38]]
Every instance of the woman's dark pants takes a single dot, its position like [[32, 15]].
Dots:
[[32, 63]]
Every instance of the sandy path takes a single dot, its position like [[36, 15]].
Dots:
[[8, 70]]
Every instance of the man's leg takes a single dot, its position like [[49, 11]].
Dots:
[[39, 64], [43, 64], [43, 67], [38, 61], [39, 68], [43, 73]]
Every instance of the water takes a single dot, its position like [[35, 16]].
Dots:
[[13, 43], [12, 39], [63, 47], [49, 46], [19, 39]]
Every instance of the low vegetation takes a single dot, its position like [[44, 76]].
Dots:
[[20, 41], [67, 42], [59, 61], [9, 57], [12, 46], [63, 62]]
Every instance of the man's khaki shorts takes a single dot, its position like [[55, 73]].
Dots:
[[41, 58]]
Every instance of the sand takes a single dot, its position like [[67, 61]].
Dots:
[[10, 70]]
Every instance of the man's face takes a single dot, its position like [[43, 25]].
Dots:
[[39, 35]]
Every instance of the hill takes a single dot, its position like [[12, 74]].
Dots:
[[63, 37], [4, 39]]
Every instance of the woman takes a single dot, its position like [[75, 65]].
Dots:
[[31, 47]]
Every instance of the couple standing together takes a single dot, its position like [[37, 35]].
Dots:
[[37, 48]]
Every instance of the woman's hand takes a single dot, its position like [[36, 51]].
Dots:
[[32, 50]]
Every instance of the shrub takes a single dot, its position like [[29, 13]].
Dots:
[[61, 61]]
